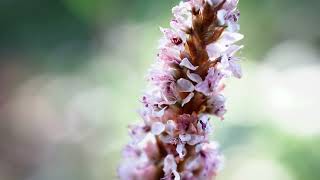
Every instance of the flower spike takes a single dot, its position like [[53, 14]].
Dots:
[[195, 56]]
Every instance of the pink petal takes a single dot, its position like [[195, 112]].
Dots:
[[233, 49], [194, 77], [169, 164], [170, 127], [214, 50], [181, 150], [185, 85], [176, 175], [203, 87], [185, 137], [186, 63], [225, 61], [157, 128], [233, 27], [229, 38], [160, 113], [195, 139], [230, 4], [221, 16], [236, 69], [213, 2], [187, 99]]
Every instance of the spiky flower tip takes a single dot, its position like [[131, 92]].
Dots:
[[195, 55]]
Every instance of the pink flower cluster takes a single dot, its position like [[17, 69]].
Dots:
[[195, 55]]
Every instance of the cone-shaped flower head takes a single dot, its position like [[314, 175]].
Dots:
[[195, 56]]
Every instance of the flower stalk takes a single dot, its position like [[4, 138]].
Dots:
[[185, 90]]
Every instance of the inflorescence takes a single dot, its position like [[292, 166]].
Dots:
[[185, 89]]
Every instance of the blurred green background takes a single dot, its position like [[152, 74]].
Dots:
[[71, 73]]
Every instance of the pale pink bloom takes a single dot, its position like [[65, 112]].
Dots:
[[229, 19], [170, 168], [185, 123], [173, 38], [159, 113], [179, 24], [230, 4], [136, 165], [181, 150], [184, 85], [150, 105], [134, 171], [170, 127], [157, 128], [213, 2], [138, 132], [230, 63], [194, 77], [186, 63], [169, 55], [182, 9], [216, 49], [195, 139], [211, 159], [197, 4], [185, 137], [211, 84], [159, 77], [203, 125], [167, 139], [182, 12], [169, 93], [131, 151], [216, 105], [182, 17], [187, 99]]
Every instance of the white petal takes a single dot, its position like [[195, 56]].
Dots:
[[233, 27], [185, 85], [224, 61], [195, 139], [214, 50], [236, 69], [176, 175], [229, 38], [169, 164], [194, 164], [170, 127], [157, 128], [204, 118], [186, 63], [137, 133], [203, 88], [230, 4], [185, 137], [221, 16], [181, 150], [233, 49], [213, 2], [199, 127], [199, 147], [187, 99], [160, 113], [194, 77]]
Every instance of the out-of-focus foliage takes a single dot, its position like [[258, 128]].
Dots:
[[47, 25]]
